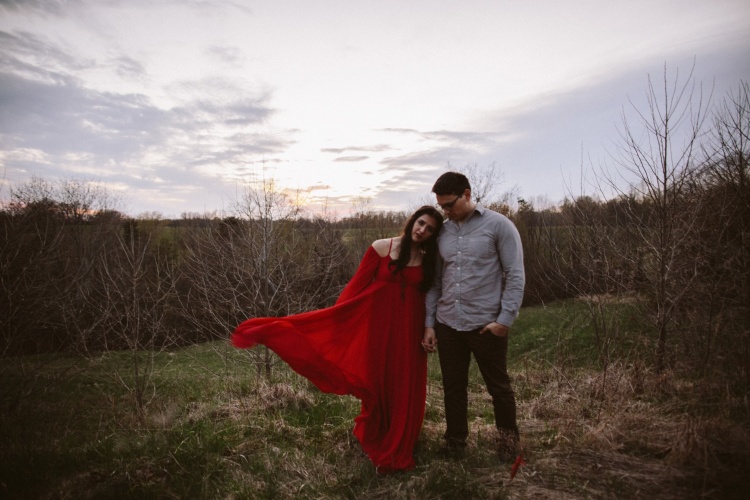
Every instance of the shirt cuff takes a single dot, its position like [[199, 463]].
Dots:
[[507, 318]]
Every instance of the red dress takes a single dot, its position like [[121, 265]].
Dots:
[[367, 345]]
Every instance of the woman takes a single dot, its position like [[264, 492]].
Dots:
[[369, 343]]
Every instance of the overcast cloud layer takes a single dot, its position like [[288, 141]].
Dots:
[[180, 104]]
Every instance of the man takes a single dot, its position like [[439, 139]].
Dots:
[[477, 294]]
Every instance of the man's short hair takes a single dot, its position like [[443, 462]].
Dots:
[[451, 183]]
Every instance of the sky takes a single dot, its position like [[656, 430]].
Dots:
[[180, 105]]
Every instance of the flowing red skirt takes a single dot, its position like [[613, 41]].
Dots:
[[367, 345]]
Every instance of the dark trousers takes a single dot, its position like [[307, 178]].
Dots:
[[491, 354]]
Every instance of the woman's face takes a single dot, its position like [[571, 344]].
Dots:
[[424, 227]]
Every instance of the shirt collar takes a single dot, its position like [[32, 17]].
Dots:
[[478, 209]]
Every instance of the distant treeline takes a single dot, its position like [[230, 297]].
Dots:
[[76, 275]]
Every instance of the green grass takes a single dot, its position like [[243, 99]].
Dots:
[[563, 334], [212, 428]]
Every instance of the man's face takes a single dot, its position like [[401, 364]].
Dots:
[[454, 207]]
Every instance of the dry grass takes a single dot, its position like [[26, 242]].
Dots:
[[594, 434], [622, 433], [586, 434]]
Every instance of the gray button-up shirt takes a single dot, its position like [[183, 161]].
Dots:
[[480, 276]]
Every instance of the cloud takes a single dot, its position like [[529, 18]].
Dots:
[[429, 157], [228, 55], [61, 8], [453, 136], [480, 139], [545, 144], [54, 112], [238, 113], [43, 7], [575, 131], [368, 149], [348, 159], [447, 146], [401, 130], [95, 94], [128, 68], [60, 118], [52, 124], [34, 57]]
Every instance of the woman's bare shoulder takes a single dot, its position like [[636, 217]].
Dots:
[[382, 246]]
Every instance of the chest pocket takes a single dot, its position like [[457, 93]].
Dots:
[[481, 245]]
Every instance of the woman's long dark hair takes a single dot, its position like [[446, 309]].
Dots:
[[429, 246]]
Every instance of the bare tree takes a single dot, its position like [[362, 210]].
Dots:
[[135, 285], [727, 164], [579, 252], [486, 183], [51, 236], [660, 150], [723, 309], [54, 234], [263, 261], [361, 234]]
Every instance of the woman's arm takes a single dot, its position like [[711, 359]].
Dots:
[[363, 277]]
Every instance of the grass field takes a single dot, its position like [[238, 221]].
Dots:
[[211, 428]]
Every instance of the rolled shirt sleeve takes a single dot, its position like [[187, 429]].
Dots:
[[510, 250]]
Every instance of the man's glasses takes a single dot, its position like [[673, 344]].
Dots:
[[447, 206]]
